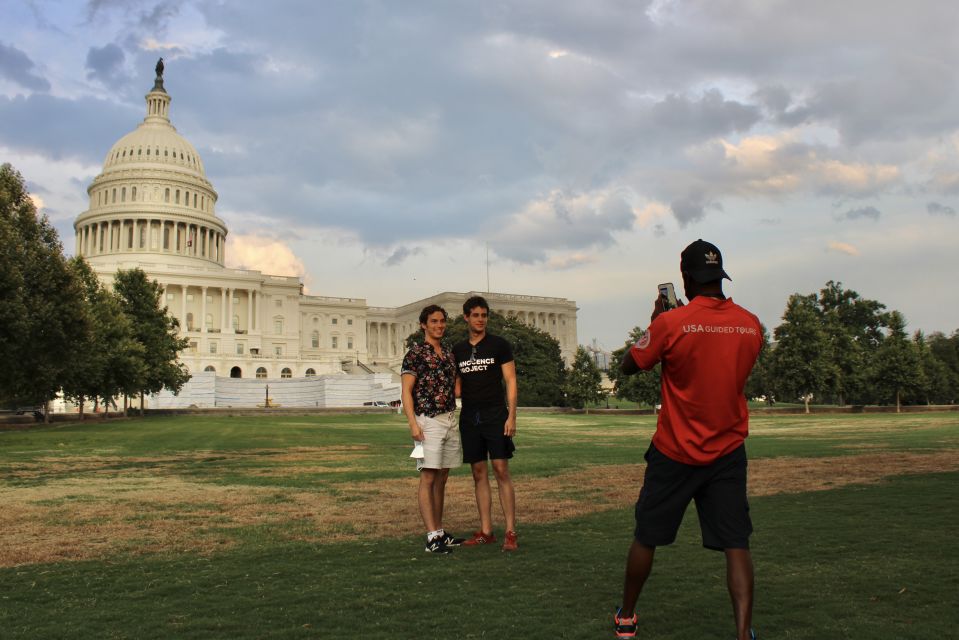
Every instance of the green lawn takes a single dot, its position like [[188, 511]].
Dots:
[[872, 561]]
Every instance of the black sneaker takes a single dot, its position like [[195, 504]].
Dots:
[[452, 541], [437, 545]]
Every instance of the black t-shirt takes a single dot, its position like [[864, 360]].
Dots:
[[480, 367]]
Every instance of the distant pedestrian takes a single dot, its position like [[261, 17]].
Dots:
[[428, 383], [707, 349], [488, 418]]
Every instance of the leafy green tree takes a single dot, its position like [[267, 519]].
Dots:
[[540, 371], [42, 313], [802, 360], [113, 361], [584, 382], [935, 379], [946, 350], [155, 330], [897, 371], [642, 388], [854, 328], [760, 383]]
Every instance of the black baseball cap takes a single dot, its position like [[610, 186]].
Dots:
[[703, 262]]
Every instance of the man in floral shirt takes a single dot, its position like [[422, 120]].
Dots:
[[429, 375]]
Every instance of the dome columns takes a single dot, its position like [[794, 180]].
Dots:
[[152, 235]]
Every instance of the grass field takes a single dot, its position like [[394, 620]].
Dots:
[[306, 527]]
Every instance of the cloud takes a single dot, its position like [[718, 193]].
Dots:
[[843, 247], [562, 220], [400, 254], [105, 65], [17, 67], [863, 212], [561, 263], [936, 209], [264, 254]]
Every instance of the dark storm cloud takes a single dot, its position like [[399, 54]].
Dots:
[[936, 209], [18, 68], [872, 213], [58, 128], [105, 65], [400, 255]]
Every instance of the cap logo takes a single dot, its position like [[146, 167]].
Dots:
[[712, 257], [644, 341]]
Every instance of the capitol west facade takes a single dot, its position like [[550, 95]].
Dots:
[[152, 207]]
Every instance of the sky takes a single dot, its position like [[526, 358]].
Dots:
[[383, 149]]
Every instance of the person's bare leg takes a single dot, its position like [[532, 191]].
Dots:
[[439, 495], [507, 496], [483, 496], [639, 564], [425, 498], [739, 581]]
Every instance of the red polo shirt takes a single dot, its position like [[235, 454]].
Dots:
[[707, 349]]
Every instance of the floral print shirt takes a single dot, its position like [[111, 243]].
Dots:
[[435, 377]]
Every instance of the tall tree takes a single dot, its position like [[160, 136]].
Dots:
[[946, 350], [540, 371], [935, 380], [42, 313], [643, 387], [897, 371], [584, 382], [854, 327], [801, 361], [760, 383], [114, 361], [155, 330]]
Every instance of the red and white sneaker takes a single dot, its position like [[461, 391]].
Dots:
[[625, 627], [480, 538], [510, 543]]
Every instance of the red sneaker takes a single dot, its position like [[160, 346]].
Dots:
[[480, 538], [625, 627], [510, 543]]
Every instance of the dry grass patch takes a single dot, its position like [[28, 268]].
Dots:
[[149, 510]]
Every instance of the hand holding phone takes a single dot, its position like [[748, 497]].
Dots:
[[667, 296]]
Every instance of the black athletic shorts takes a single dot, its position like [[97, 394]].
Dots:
[[719, 490], [481, 431]]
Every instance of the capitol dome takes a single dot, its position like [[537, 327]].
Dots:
[[152, 197]]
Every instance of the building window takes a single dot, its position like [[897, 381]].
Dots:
[[209, 321], [169, 296], [316, 339], [236, 323], [349, 343], [261, 373], [166, 194], [209, 298], [212, 347], [333, 342], [279, 303], [193, 346], [189, 297], [210, 368], [286, 373], [236, 300], [278, 325], [349, 321], [123, 194], [334, 320], [239, 348], [278, 349], [189, 321]]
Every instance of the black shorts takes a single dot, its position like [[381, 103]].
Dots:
[[719, 490], [481, 431]]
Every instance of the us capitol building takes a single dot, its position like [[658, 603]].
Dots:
[[153, 207]]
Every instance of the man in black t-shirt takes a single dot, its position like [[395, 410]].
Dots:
[[488, 419]]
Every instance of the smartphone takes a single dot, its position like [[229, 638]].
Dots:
[[667, 290]]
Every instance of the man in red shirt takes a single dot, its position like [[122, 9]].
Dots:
[[707, 349]]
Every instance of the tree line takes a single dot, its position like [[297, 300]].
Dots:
[[62, 331], [835, 347]]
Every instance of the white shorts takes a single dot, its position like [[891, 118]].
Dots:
[[442, 448]]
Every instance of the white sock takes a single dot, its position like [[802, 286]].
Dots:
[[430, 535]]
